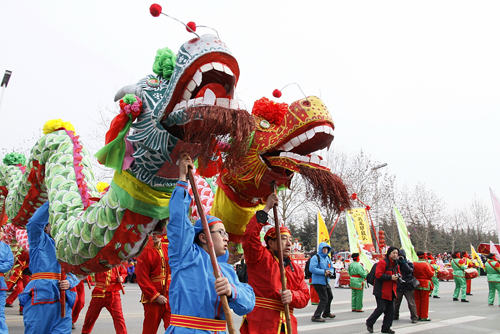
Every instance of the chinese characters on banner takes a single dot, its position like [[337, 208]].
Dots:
[[362, 226]]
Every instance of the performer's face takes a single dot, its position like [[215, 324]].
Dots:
[[286, 245], [219, 238]]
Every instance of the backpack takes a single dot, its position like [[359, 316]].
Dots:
[[307, 272], [370, 279]]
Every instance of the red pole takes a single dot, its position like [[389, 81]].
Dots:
[[338, 216]]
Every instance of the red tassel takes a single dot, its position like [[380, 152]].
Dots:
[[155, 10]]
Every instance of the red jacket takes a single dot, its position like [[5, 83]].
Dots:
[[108, 281], [385, 287], [152, 272], [264, 277], [22, 262], [423, 272]]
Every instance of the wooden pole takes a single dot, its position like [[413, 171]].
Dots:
[[62, 298], [280, 259], [211, 252]]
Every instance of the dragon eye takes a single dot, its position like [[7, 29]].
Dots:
[[306, 103]]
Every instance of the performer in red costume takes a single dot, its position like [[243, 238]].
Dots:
[[423, 272], [153, 277], [79, 302], [268, 316], [20, 277], [470, 264], [107, 294]]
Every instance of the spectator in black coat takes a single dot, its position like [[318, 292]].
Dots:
[[405, 289]]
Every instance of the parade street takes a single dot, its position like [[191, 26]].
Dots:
[[447, 316]]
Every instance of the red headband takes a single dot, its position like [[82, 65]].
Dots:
[[271, 233]]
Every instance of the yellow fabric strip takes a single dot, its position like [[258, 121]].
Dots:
[[139, 190]]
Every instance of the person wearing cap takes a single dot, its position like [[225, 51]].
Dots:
[[357, 275], [268, 316], [423, 272], [6, 263], [384, 290], [41, 297], [153, 277], [435, 280], [321, 269], [459, 265], [194, 292], [405, 289], [106, 294], [493, 275]]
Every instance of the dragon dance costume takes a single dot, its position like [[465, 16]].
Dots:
[[6, 262], [195, 305], [153, 277], [106, 294], [40, 298], [264, 276]]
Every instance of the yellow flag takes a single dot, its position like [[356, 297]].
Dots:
[[476, 256], [323, 235]]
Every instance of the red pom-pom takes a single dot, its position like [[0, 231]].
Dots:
[[270, 110], [191, 25], [354, 196], [155, 10], [368, 208], [277, 93]]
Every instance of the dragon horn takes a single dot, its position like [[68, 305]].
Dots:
[[130, 89]]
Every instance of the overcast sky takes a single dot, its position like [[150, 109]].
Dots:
[[415, 84]]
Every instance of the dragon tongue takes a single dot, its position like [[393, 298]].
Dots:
[[216, 89]]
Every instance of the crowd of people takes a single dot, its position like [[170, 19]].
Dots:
[[181, 288]]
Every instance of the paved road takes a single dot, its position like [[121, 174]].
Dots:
[[447, 316]]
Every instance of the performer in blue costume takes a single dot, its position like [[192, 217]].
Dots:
[[6, 263], [194, 291], [42, 309]]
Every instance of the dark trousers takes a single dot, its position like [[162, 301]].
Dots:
[[410, 299], [325, 299], [383, 306]]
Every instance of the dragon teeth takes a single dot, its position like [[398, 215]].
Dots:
[[197, 77], [206, 68], [209, 97], [218, 67]]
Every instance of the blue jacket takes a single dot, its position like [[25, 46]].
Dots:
[[318, 269], [43, 259], [6, 263], [192, 291]]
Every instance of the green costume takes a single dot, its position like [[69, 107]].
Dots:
[[459, 278], [357, 278], [435, 281], [493, 274]]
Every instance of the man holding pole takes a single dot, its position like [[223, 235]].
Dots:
[[197, 298], [41, 298], [264, 275]]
